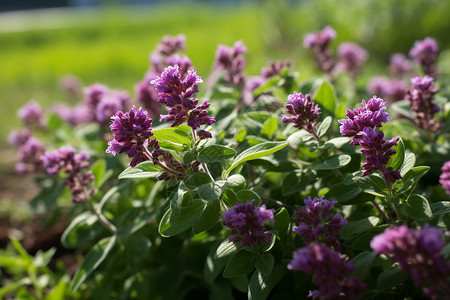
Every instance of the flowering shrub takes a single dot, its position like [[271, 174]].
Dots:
[[261, 187]]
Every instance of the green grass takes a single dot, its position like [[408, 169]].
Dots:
[[112, 45]]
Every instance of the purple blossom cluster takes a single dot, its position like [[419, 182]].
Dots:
[[425, 53], [418, 252], [165, 54], [232, 61], [71, 84], [74, 165], [304, 112], [363, 125], [351, 58], [176, 93], [444, 178], [246, 223], [399, 65], [420, 98], [331, 272], [319, 43], [29, 152], [31, 114], [274, 68], [100, 103], [392, 89], [130, 131], [316, 222]]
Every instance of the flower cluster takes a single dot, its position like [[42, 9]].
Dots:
[[130, 131], [331, 272], [399, 64], [304, 112], [319, 42], [418, 252], [165, 54], [31, 114], [392, 89], [425, 53], [362, 125], [316, 223], [74, 164], [274, 68], [176, 93], [420, 98], [246, 223], [351, 58], [231, 60], [444, 178]]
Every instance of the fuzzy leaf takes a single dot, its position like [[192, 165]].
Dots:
[[215, 153], [417, 208], [144, 169], [335, 162]]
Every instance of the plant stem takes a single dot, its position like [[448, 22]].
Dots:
[[108, 225], [380, 211]]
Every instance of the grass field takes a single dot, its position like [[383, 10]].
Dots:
[[111, 45]]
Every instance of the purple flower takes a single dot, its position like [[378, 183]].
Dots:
[[176, 94], [232, 61], [80, 114], [424, 53], [29, 155], [77, 179], [330, 270], [171, 44], [399, 64], [71, 84], [319, 43], [130, 131], [246, 223], [420, 98], [388, 88], [444, 178], [19, 137], [378, 151], [418, 252], [94, 93], [274, 68], [351, 58], [304, 112], [31, 114], [316, 223], [371, 114], [109, 104]]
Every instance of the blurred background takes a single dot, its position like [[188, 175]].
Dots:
[[109, 41]]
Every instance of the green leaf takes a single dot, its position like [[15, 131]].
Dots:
[[270, 127], [99, 171], [336, 142], [439, 208], [402, 107], [264, 263], [353, 228], [239, 264], [236, 182], [362, 263], [92, 260], [13, 286], [417, 208], [410, 179], [212, 191], [213, 264], [240, 136], [342, 192], [326, 98], [189, 156], [293, 183], [197, 179], [215, 153], [226, 248], [209, 217], [408, 163], [323, 126], [255, 152], [137, 246], [185, 220], [372, 184], [260, 285], [173, 138], [84, 228], [390, 278], [144, 169], [282, 221], [41, 258], [396, 160], [301, 137], [248, 195], [335, 162], [47, 197], [59, 291]]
